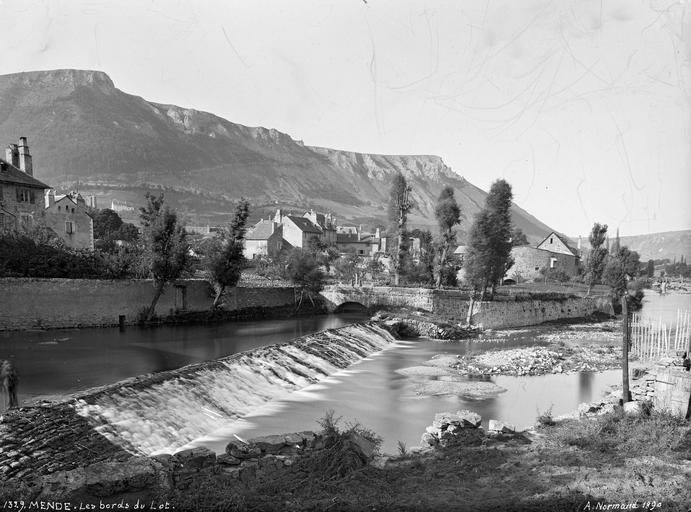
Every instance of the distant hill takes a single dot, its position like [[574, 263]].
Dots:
[[657, 246], [84, 133]]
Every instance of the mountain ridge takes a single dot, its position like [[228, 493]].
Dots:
[[85, 132]]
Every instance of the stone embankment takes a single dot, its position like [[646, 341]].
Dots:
[[243, 461]]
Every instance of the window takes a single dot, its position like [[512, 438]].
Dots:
[[551, 240], [26, 219], [59, 208], [72, 210], [24, 195], [69, 227], [552, 262]]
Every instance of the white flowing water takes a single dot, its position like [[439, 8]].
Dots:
[[165, 410]]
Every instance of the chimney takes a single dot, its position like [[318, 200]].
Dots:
[[50, 198], [579, 242], [25, 163], [12, 155], [377, 233]]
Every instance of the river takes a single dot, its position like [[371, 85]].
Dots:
[[57, 362], [372, 392]]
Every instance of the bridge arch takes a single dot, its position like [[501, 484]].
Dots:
[[351, 307]]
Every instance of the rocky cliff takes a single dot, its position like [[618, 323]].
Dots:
[[85, 132]]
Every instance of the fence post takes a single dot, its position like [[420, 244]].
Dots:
[[625, 394]]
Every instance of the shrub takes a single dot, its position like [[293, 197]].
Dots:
[[340, 455], [545, 419]]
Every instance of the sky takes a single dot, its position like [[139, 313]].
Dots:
[[584, 106]]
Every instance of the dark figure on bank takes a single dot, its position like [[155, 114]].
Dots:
[[9, 380]]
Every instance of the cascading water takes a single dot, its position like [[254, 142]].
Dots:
[[164, 411]]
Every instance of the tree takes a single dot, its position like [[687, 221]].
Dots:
[[478, 258], [448, 215], [420, 271], [324, 253], [595, 264], [223, 258], [106, 223], [499, 206], [489, 250], [518, 237], [400, 204], [166, 247], [349, 267], [651, 268], [303, 271]]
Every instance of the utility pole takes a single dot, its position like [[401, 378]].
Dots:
[[625, 393]]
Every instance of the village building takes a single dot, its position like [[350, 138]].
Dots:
[[362, 244], [68, 217], [264, 239], [554, 252], [26, 202], [21, 195], [325, 223]]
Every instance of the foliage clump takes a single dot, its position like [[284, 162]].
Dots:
[[341, 454]]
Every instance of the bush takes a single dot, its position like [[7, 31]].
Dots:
[[22, 255], [545, 419], [340, 455]]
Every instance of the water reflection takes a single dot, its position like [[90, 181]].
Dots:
[[62, 361], [585, 385]]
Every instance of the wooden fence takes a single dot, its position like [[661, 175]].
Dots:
[[653, 339]]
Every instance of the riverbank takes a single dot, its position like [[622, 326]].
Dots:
[[631, 461]]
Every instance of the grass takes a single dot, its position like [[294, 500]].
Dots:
[[618, 436]]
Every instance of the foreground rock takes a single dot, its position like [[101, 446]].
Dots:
[[410, 327]]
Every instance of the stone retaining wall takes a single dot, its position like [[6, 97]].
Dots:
[[452, 305], [27, 303]]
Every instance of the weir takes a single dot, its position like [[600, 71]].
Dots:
[[163, 411]]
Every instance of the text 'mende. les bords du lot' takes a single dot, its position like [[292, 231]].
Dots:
[[20, 506]]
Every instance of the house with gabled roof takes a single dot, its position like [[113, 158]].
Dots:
[[554, 242], [362, 244], [554, 252], [264, 239], [21, 195], [297, 231], [26, 201], [67, 215]]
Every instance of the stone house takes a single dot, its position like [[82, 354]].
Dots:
[[325, 223], [25, 201], [297, 231], [264, 239], [362, 244], [554, 252], [68, 217], [21, 195]]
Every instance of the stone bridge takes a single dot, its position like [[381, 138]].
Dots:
[[452, 305], [449, 302]]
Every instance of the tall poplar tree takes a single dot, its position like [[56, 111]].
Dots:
[[489, 247], [595, 264], [400, 204], [448, 215]]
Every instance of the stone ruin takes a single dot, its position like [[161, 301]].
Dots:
[[449, 429]]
